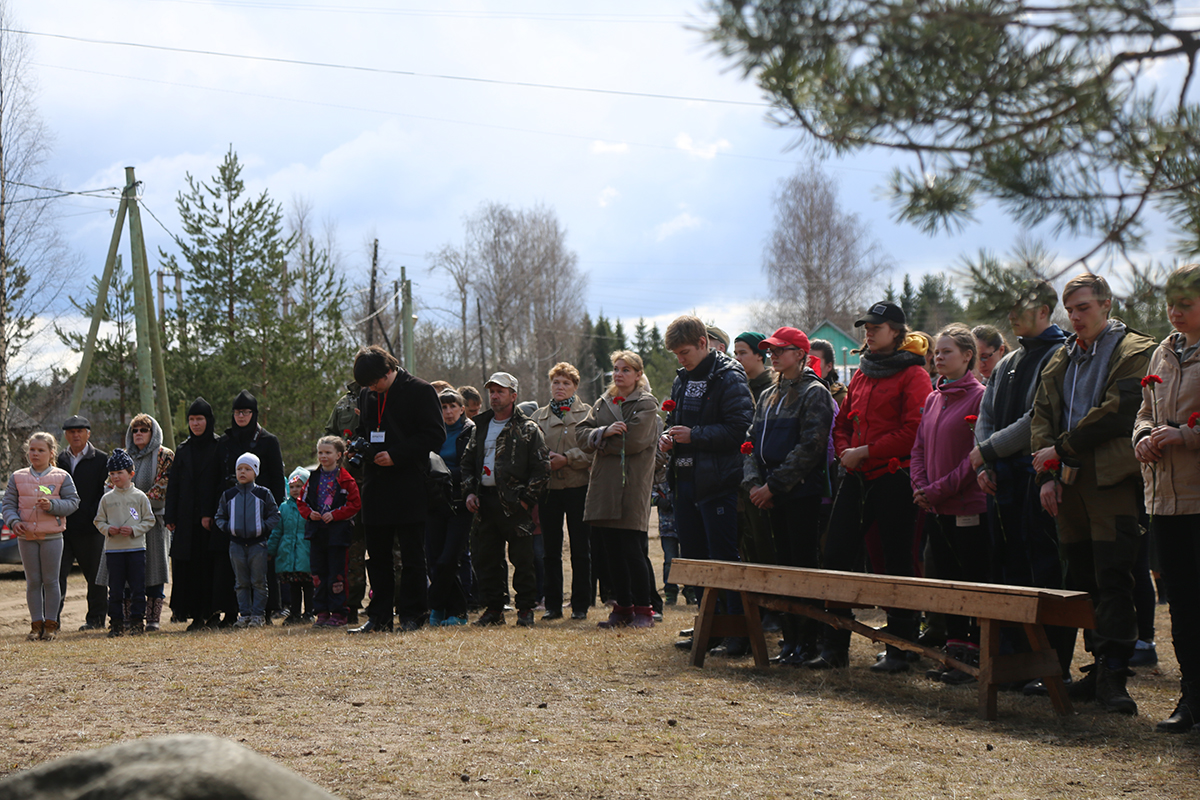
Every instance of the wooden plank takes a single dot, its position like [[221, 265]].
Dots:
[[1040, 643], [703, 628], [989, 648], [995, 601], [754, 631]]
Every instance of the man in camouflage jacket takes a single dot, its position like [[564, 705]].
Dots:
[[505, 470]]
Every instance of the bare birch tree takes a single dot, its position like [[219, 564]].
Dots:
[[34, 258], [819, 259]]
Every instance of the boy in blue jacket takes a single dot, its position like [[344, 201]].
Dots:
[[248, 513]]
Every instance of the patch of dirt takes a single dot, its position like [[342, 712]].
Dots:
[[568, 710]]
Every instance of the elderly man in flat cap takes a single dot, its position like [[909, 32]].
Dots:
[[505, 468], [81, 541]]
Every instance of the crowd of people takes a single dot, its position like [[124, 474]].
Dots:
[[946, 455]]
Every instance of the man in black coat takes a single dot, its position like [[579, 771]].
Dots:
[[401, 418], [81, 541]]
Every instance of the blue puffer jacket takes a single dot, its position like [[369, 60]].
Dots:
[[726, 411]]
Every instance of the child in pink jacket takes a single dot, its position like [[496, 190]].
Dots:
[[944, 484]]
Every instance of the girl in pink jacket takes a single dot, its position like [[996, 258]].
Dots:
[[944, 484]]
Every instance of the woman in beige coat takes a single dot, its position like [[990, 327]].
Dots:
[[621, 432], [1166, 439], [568, 488]]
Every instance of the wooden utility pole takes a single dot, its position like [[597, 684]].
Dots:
[[407, 319], [149, 344], [371, 296], [482, 352]]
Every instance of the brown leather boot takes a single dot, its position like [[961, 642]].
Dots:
[[50, 630], [35, 630], [154, 614]]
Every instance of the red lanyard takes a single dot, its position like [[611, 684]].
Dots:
[[380, 405]]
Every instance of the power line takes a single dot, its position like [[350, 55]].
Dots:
[[548, 16], [382, 71], [485, 125]]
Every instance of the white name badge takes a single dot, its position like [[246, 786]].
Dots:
[[967, 521], [377, 437]]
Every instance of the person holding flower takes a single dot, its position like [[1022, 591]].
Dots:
[[944, 484], [568, 489], [620, 432], [1166, 438], [1083, 416], [873, 435], [786, 473]]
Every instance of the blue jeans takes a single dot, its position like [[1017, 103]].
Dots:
[[126, 567], [708, 529], [249, 563]]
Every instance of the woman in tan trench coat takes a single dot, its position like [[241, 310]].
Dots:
[[621, 432]]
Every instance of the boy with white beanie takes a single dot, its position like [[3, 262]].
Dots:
[[248, 514]]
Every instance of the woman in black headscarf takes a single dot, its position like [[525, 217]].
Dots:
[[191, 503]]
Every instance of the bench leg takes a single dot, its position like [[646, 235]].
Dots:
[[754, 631], [703, 627], [1040, 643], [989, 649]]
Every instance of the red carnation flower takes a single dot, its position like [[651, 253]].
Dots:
[[854, 415], [1194, 419], [1052, 465], [971, 419], [487, 470], [345, 433], [893, 465], [618, 400], [747, 447], [668, 405], [1150, 379]]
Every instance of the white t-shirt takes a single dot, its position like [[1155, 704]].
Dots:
[[489, 451]]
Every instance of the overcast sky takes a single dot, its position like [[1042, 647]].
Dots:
[[666, 198]]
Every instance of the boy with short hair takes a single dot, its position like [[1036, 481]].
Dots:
[[124, 517], [248, 514]]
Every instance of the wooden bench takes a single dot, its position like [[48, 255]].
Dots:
[[993, 605]]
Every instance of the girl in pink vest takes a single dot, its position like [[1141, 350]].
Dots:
[[37, 502]]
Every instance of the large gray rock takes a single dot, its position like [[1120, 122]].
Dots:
[[169, 768]]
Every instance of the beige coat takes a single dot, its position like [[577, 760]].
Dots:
[[611, 502], [560, 438], [1173, 485]]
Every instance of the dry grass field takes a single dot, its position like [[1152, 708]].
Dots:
[[567, 710]]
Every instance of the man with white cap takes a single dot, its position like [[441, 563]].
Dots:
[[505, 469]]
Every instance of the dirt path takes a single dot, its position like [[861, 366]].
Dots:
[[567, 710]]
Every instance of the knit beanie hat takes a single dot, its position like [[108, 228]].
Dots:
[[751, 338], [300, 474], [250, 460], [119, 460]]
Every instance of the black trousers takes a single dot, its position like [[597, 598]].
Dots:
[[627, 573], [566, 505], [961, 554], [1179, 548], [87, 548], [447, 535], [886, 502], [410, 596], [330, 565]]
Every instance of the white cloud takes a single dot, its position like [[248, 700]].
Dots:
[[607, 196], [603, 148], [684, 142], [671, 227]]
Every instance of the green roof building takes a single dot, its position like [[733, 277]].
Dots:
[[843, 343]]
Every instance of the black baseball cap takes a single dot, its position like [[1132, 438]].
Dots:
[[881, 314], [76, 422]]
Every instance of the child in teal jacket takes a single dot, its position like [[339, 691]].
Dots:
[[290, 550]]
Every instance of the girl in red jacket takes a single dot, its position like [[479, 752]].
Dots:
[[944, 484], [329, 502], [873, 437]]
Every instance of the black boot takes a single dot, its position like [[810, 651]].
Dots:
[[786, 652], [1184, 718], [895, 659], [1084, 689], [1111, 692], [835, 650]]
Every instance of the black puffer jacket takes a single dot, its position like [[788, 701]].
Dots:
[[791, 438], [719, 426]]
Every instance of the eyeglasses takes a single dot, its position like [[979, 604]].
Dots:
[[140, 430], [242, 412], [774, 351]]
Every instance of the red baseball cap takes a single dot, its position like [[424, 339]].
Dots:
[[786, 337]]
